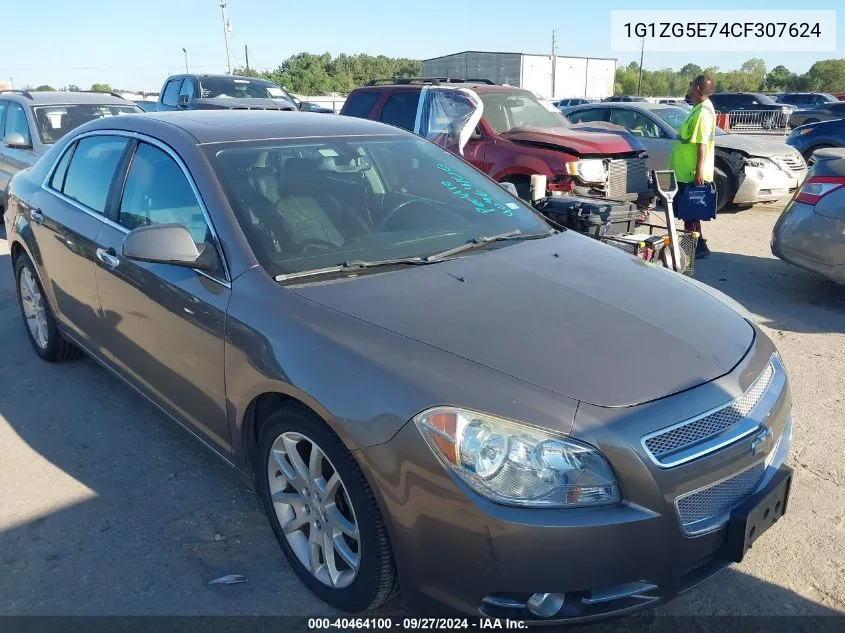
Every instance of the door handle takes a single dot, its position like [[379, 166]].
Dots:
[[37, 216], [108, 258]]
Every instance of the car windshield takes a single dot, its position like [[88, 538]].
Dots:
[[505, 111], [54, 121], [675, 116], [238, 88], [310, 204]]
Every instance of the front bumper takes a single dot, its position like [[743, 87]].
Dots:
[[458, 553], [810, 241], [766, 184]]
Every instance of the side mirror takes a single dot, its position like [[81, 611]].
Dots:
[[510, 188], [182, 101], [16, 140], [168, 244]]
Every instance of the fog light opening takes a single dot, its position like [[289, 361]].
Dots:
[[545, 605]]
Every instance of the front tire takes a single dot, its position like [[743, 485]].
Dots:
[[724, 188], [323, 512], [38, 318]]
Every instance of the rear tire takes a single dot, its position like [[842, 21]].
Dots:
[[37, 316], [310, 511]]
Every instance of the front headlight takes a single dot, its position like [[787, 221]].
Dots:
[[588, 170], [759, 161], [516, 464]]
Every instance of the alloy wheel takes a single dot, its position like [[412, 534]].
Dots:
[[33, 308], [313, 509]]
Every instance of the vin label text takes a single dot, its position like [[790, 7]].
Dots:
[[752, 31]]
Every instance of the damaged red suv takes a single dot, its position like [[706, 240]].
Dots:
[[518, 135]]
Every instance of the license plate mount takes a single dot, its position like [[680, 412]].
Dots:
[[756, 515]]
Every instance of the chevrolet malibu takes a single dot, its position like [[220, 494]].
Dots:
[[429, 385]]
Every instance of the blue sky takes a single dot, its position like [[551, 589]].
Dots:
[[135, 45]]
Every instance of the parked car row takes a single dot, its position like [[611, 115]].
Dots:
[[429, 386]]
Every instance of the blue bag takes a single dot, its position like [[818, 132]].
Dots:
[[696, 202]]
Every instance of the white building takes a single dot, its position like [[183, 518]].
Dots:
[[591, 77]]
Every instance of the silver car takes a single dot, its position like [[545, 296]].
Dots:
[[31, 122], [748, 169], [810, 232]]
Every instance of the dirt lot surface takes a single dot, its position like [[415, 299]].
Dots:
[[109, 508]]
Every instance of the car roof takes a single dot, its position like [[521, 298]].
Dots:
[[224, 126], [64, 98], [626, 105], [477, 87]]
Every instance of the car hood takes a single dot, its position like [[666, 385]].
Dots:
[[582, 141], [751, 145], [229, 103], [564, 313]]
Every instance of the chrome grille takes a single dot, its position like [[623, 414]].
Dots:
[[626, 176], [710, 506], [792, 162], [697, 430]]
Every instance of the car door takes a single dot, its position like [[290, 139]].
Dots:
[[69, 214], [657, 143], [14, 159], [834, 111], [163, 325]]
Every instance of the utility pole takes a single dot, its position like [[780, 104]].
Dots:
[[246, 55], [186, 60], [226, 35], [554, 62], [640, 80]]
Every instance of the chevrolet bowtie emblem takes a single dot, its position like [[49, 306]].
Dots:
[[762, 442]]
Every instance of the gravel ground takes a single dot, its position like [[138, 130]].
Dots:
[[108, 508]]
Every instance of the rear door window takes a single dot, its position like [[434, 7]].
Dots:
[[360, 104], [636, 123], [401, 109], [588, 115], [92, 168]]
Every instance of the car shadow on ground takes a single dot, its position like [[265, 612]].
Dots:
[[782, 296]]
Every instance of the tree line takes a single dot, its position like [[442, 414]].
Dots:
[[317, 74], [312, 74], [752, 76]]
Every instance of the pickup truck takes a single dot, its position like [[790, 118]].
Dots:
[[227, 92], [517, 135]]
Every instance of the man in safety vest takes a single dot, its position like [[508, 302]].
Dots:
[[692, 155]]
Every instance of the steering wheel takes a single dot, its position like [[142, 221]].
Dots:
[[313, 242], [404, 205]]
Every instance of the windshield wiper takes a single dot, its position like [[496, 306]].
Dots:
[[352, 266], [481, 241]]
